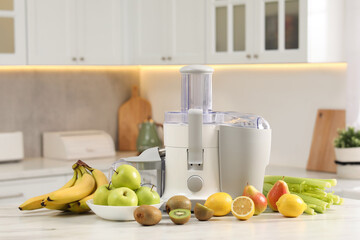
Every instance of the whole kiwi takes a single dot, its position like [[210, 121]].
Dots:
[[147, 215], [178, 202], [180, 216], [203, 213]]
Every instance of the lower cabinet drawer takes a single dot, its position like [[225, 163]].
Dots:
[[17, 191]]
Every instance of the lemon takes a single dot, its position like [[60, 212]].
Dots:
[[291, 205], [219, 202], [243, 208]]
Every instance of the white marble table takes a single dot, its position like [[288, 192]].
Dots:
[[339, 222]]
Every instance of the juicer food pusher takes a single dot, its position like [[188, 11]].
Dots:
[[207, 151]]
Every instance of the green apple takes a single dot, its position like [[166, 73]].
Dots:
[[147, 196], [122, 197], [101, 195], [126, 176]]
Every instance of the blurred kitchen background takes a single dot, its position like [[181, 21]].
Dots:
[[69, 65]]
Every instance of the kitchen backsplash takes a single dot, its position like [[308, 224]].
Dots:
[[37, 100], [287, 95]]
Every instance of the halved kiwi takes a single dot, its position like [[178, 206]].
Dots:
[[203, 213], [180, 216]]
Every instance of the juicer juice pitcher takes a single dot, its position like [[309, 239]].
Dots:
[[208, 151]]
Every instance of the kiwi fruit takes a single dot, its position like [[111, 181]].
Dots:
[[178, 202], [203, 213], [147, 215], [180, 216]]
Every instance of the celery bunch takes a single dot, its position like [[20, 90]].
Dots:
[[311, 190]]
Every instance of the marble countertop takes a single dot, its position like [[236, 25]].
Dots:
[[43, 167], [339, 222]]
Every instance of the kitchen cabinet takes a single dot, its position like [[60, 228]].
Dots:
[[167, 31], [270, 31], [18, 191], [68, 32], [12, 32]]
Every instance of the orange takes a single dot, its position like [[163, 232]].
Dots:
[[219, 202], [243, 208]]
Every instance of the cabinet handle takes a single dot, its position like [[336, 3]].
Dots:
[[256, 56], [169, 58], [74, 59], [163, 58], [82, 59], [248, 56]]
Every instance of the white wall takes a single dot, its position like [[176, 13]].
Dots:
[[287, 95]]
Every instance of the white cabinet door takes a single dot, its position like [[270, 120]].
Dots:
[[99, 34], [168, 31], [12, 32], [186, 32], [281, 33], [230, 25], [52, 32], [72, 32], [17, 191], [149, 29]]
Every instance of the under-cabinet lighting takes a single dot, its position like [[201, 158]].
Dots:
[[69, 67], [278, 66]]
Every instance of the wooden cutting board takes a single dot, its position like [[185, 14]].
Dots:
[[322, 153], [131, 114]]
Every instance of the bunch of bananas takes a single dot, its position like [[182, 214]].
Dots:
[[74, 194]]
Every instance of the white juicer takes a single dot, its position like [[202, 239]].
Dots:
[[209, 152]]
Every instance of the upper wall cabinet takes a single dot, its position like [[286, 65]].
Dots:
[[270, 31], [12, 32], [68, 32], [167, 31]]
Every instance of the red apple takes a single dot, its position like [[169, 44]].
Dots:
[[279, 189], [258, 198]]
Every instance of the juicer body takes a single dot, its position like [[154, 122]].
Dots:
[[196, 183]]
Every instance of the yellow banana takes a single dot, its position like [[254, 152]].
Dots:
[[54, 206], [81, 189], [35, 202], [76, 208], [100, 179]]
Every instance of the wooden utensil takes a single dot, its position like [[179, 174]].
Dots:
[[131, 114], [322, 153]]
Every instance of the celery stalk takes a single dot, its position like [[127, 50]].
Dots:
[[340, 202], [327, 199], [319, 205], [298, 180], [332, 181], [310, 209], [335, 198], [267, 187]]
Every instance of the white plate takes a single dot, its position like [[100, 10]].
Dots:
[[118, 213]]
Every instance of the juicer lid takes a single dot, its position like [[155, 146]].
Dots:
[[196, 69]]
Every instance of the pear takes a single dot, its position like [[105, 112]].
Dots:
[[280, 188], [258, 198]]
